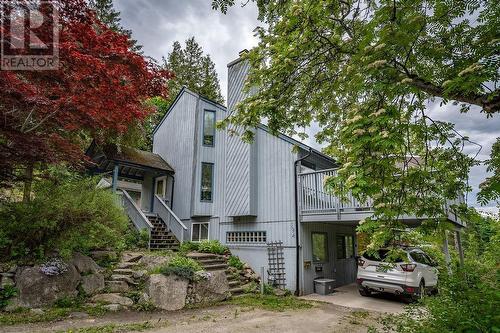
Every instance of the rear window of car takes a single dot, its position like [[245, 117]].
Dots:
[[379, 255]]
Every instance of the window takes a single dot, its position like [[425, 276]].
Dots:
[[207, 179], [320, 246], [208, 128], [345, 247], [199, 231], [246, 237], [420, 258]]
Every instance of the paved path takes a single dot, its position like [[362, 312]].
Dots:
[[349, 296]]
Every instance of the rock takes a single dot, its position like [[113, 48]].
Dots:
[[113, 307], [150, 261], [131, 256], [117, 286], [103, 255], [124, 278], [37, 311], [92, 283], [144, 298], [167, 292], [279, 292], [123, 271], [213, 289], [112, 298], [78, 315], [139, 274], [124, 265], [36, 289], [7, 274], [6, 281], [12, 269], [84, 264]]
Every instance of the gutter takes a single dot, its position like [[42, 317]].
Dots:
[[297, 244]]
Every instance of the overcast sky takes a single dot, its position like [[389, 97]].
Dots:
[[156, 24]]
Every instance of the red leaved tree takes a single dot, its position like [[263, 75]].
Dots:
[[97, 92]]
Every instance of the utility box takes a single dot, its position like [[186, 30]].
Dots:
[[324, 286]]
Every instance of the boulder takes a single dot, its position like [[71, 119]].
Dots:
[[36, 289], [92, 283], [150, 261], [167, 292], [84, 264], [139, 274], [213, 289], [6, 281], [113, 307], [103, 255], [112, 298], [131, 256]]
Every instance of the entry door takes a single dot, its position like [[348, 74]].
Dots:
[[161, 188], [345, 261]]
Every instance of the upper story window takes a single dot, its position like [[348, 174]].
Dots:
[[207, 181], [208, 128]]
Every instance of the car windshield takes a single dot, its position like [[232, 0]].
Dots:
[[380, 255]]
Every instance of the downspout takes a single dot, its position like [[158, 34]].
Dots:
[[297, 244]]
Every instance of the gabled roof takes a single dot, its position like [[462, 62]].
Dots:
[[261, 126], [186, 89]]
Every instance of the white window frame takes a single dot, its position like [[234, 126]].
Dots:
[[208, 232]]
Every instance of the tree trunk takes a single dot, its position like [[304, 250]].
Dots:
[[28, 180]]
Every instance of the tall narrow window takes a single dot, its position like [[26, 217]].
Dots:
[[208, 128], [207, 180], [320, 247]]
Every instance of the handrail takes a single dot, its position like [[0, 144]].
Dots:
[[173, 223], [138, 218]]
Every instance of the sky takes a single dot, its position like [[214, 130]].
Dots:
[[156, 24]]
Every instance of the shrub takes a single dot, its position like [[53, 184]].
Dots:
[[235, 262], [212, 246], [6, 293], [182, 267], [187, 247], [136, 239], [68, 213]]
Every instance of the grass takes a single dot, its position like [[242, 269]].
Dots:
[[358, 317], [112, 328], [25, 316], [271, 302]]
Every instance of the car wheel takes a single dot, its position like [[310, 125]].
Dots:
[[421, 290], [365, 292]]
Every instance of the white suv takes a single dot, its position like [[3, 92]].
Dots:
[[412, 277]]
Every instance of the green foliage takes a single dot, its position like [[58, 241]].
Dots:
[[468, 299], [268, 289], [6, 293], [113, 328], [68, 213], [212, 246], [187, 247], [365, 74], [234, 261], [490, 188], [271, 302], [181, 266], [136, 239]]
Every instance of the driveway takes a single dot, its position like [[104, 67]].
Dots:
[[349, 296]]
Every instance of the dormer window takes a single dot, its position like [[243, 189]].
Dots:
[[208, 128]]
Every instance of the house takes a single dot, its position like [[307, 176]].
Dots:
[[265, 200]]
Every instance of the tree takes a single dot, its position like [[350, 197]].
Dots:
[[193, 70], [98, 92], [365, 72], [106, 13]]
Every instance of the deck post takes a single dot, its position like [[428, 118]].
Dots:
[[114, 182], [446, 251], [459, 247]]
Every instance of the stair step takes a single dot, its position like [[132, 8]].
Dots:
[[125, 278], [202, 256], [124, 265], [123, 271], [234, 283], [237, 291], [211, 261], [215, 267]]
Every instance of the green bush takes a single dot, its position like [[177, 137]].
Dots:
[[235, 262], [68, 213], [6, 293], [136, 239], [187, 247], [182, 267], [212, 246]]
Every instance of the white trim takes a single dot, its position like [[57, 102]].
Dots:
[[208, 232]]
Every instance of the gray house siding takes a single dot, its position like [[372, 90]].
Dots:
[[174, 141]]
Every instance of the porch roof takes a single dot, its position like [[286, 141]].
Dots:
[[133, 162]]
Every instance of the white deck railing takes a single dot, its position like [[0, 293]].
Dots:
[[136, 215], [173, 223]]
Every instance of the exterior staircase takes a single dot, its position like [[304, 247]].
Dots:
[[214, 262], [161, 237]]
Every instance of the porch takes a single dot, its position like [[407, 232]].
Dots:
[[144, 182]]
